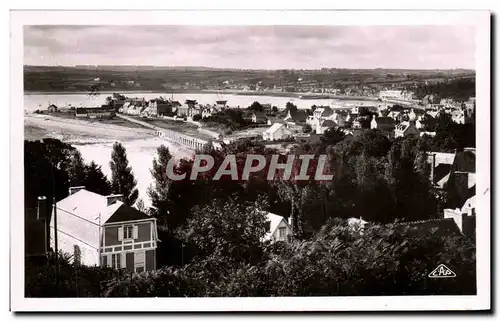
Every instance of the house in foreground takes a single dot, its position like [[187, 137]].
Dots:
[[103, 231], [279, 229]]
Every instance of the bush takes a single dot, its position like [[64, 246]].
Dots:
[[378, 260]]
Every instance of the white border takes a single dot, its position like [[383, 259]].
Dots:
[[480, 19]]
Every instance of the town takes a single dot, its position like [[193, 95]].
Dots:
[[200, 161], [101, 223]]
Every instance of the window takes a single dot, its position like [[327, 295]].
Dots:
[[140, 261], [128, 232], [116, 261], [282, 233]]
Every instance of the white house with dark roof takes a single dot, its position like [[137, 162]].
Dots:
[[103, 231], [279, 229]]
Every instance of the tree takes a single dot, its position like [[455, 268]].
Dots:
[[407, 177], [275, 109], [76, 169], [122, 179], [307, 129], [230, 229], [46, 165], [197, 117], [95, 180], [256, 106], [332, 136], [158, 191], [291, 107]]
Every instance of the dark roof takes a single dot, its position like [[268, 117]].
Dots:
[[396, 108], [126, 213], [299, 115], [441, 171], [81, 110], [465, 161], [328, 111], [52, 105], [385, 121], [329, 123], [437, 227]]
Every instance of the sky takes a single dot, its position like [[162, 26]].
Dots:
[[253, 47]]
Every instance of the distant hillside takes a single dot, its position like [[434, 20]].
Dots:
[[152, 78]]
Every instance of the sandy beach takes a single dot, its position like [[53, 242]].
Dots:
[[72, 130], [95, 141]]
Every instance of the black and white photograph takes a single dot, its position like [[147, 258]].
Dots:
[[329, 160]]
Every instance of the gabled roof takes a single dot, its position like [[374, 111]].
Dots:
[[469, 204], [119, 212], [403, 126], [437, 227], [89, 205], [85, 204], [273, 128], [443, 158], [275, 221]]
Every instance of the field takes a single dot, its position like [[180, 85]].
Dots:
[[173, 79]]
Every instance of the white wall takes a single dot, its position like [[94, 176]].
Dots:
[[275, 236]]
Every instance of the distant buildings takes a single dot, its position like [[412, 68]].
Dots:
[[405, 129], [95, 113], [52, 108]]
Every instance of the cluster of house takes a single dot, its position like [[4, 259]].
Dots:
[[104, 111], [169, 108], [395, 121]]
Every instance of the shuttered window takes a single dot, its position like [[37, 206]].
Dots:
[[128, 232]]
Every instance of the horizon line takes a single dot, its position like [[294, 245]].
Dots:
[[256, 69]]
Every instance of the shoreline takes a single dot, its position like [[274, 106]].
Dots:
[[300, 95]]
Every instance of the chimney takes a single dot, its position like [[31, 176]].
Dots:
[[111, 199], [41, 210], [74, 189]]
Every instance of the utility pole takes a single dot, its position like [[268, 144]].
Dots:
[[56, 247]]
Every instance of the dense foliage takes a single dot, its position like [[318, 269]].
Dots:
[[212, 231], [50, 164], [460, 89], [380, 260]]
